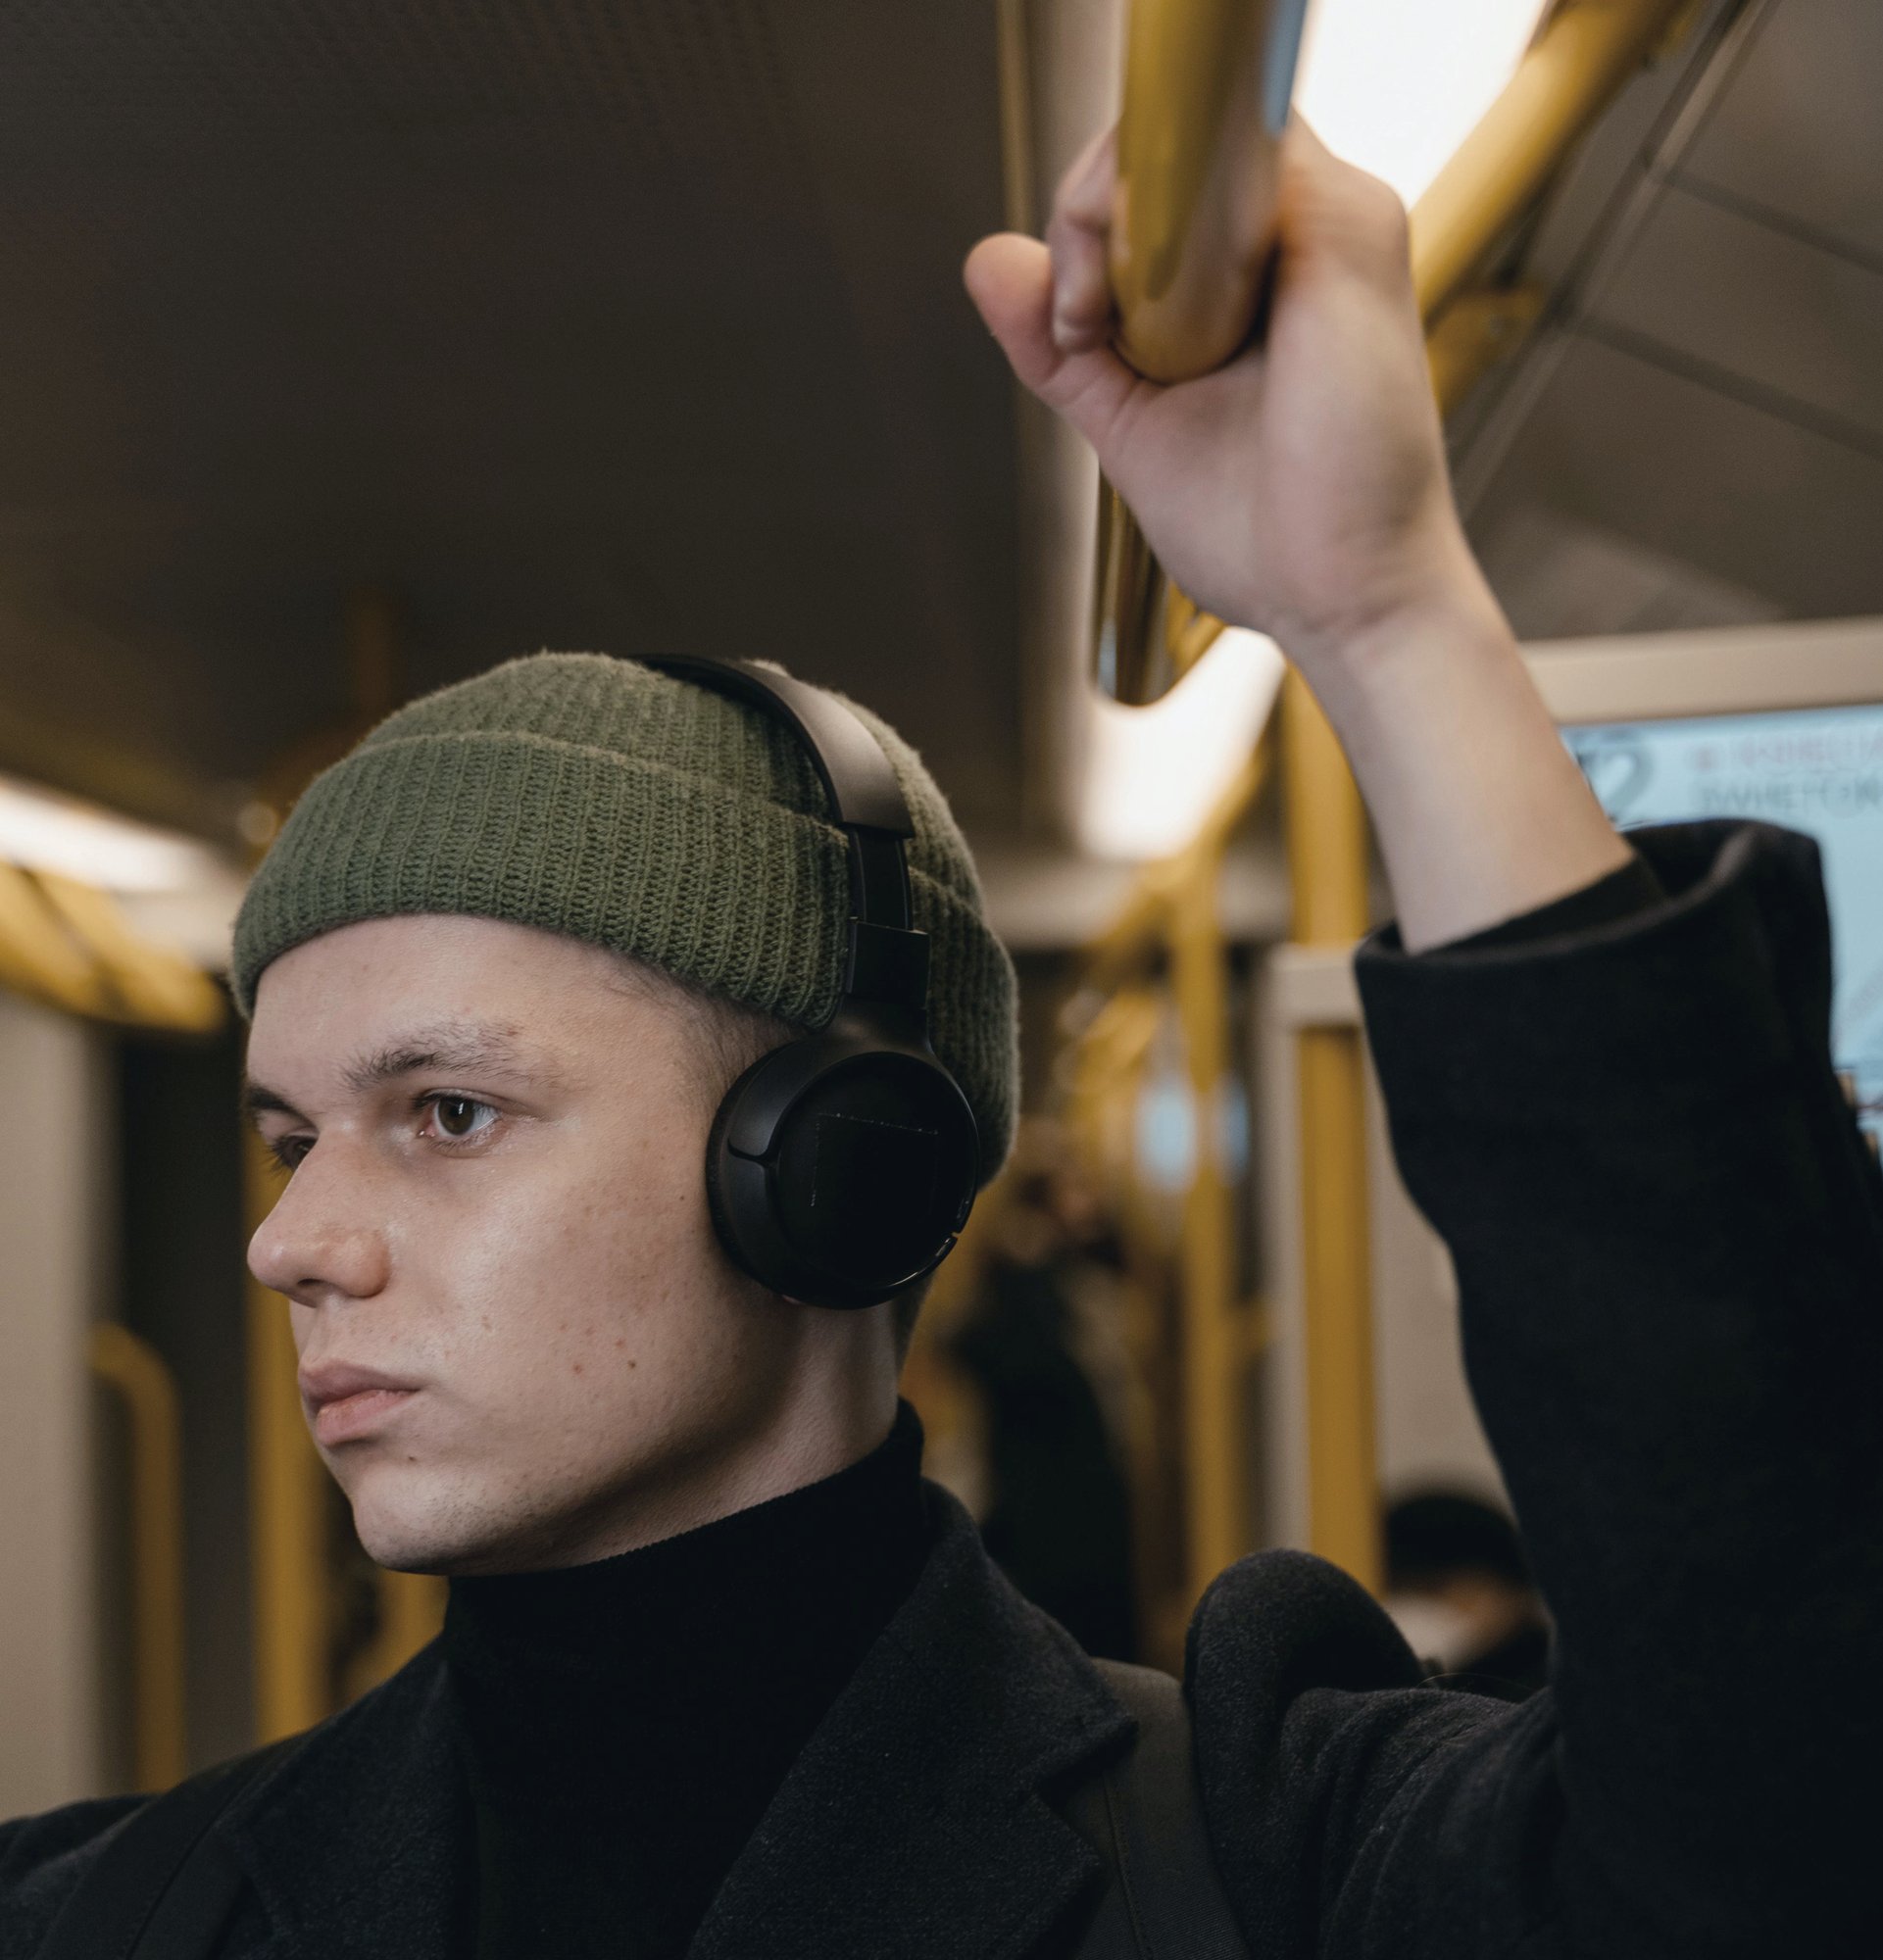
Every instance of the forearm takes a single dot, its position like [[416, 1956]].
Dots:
[[1665, 1231], [1480, 811]]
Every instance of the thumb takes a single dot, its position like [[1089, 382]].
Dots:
[[1010, 280]]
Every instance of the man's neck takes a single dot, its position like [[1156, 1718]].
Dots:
[[627, 1722], [796, 1440]]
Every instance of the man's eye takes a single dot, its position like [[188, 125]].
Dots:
[[287, 1152], [461, 1118]]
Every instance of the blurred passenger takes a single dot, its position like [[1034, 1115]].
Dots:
[[1058, 1515], [1459, 1588]]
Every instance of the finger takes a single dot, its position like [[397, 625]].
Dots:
[[1078, 235], [1085, 190], [1334, 213], [1303, 137], [1009, 281], [1009, 278]]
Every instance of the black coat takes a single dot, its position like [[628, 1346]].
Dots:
[[1669, 1241]]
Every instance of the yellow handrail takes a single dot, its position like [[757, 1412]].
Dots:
[[1194, 211], [1584, 54], [1214, 1345], [1207, 84], [144, 1385], [38, 957], [288, 1510], [151, 986], [1327, 865], [70, 947], [1476, 333], [1176, 908], [412, 1609]]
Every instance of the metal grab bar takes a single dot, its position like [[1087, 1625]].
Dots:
[[1193, 220], [38, 958], [151, 985], [287, 1507], [1584, 53], [145, 1388], [1206, 87], [70, 946], [1328, 862], [1583, 56], [1174, 918]]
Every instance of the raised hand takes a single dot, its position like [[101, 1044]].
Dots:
[[1301, 490]]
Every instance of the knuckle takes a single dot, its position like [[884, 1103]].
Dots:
[[1388, 221], [1068, 185], [1396, 222], [1084, 193]]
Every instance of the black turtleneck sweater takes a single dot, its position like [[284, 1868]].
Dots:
[[625, 1724]]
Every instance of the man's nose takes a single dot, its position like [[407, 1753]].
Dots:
[[324, 1240]]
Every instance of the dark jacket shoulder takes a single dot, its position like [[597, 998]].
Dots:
[[43, 1858], [921, 1819], [46, 1858]]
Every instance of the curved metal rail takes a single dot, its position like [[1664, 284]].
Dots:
[[70, 947]]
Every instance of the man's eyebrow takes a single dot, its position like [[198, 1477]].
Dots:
[[256, 1099], [455, 1049], [451, 1050]]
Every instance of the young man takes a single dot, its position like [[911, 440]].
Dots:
[[719, 1675]]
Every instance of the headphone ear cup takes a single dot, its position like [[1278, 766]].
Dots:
[[838, 1171], [734, 1199]]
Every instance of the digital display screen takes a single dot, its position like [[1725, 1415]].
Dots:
[[1818, 771]]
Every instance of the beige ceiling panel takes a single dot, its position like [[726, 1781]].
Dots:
[[1796, 131], [1739, 493], [1763, 309]]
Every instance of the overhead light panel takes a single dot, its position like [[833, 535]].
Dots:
[[43, 832], [1396, 89], [1151, 775]]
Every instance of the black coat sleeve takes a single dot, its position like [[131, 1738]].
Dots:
[[1668, 1235]]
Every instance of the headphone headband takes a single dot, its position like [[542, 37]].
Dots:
[[865, 799], [887, 959], [841, 1165]]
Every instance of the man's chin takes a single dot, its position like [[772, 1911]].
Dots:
[[401, 1549], [406, 1527]]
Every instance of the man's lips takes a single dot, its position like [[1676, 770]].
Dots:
[[346, 1402]]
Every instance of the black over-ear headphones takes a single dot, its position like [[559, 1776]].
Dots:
[[842, 1165]]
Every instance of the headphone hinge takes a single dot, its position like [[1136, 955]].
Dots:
[[887, 967]]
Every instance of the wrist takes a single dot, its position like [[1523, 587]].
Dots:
[[1480, 811], [1444, 637], [1422, 597]]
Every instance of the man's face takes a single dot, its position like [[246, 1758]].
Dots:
[[497, 1206]]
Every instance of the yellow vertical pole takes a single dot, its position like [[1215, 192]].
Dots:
[[147, 1390], [412, 1609], [1327, 827], [287, 1515], [1211, 1349]]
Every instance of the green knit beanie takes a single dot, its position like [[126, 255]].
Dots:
[[594, 797]]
